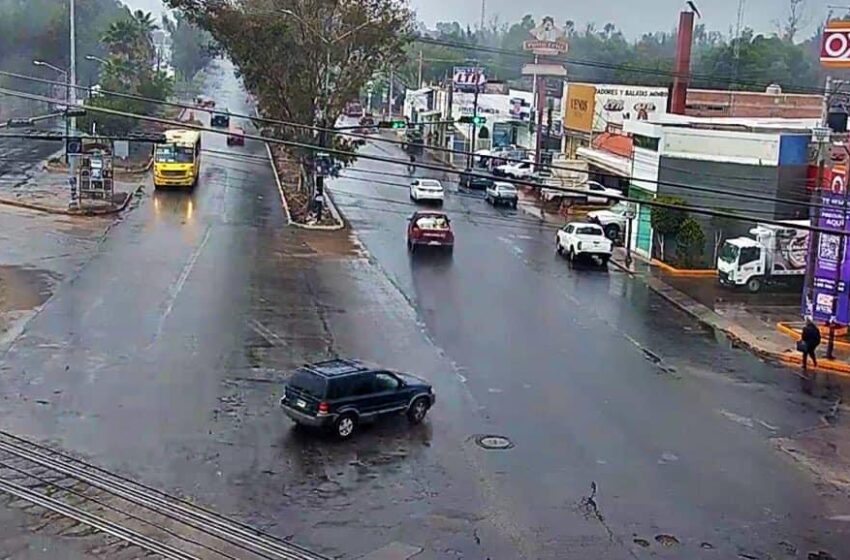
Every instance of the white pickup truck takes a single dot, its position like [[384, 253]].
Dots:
[[583, 239], [518, 170]]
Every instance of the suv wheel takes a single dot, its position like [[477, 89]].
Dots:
[[345, 425], [612, 232], [417, 411]]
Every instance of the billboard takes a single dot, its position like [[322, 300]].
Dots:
[[581, 103], [469, 78], [835, 44], [616, 104], [828, 269], [547, 39]]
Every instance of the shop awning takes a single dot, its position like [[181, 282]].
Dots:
[[612, 163]]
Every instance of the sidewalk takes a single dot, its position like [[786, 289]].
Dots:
[[48, 191], [771, 334]]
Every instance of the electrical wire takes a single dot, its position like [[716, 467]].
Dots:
[[464, 153], [533, 184], [607, 66]]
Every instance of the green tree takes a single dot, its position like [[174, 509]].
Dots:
[[192, 48], [690, 243], [129, 69], [38, 29], [666, 221], [303, 60]]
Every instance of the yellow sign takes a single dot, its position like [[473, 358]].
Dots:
[[581, 100]]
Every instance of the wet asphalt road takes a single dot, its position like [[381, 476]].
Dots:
[[161, 357]]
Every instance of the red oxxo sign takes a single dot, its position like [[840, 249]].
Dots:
[[835, 48]]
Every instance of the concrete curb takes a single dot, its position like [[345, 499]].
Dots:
[[52, 168], [70, 212], [711, 319], [331, 206], [283, 202], [622, 266], [673, 271]]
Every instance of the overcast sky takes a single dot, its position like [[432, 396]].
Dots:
[[632, 16]]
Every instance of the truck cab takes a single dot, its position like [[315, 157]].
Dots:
[[773, 254], [741, 262]]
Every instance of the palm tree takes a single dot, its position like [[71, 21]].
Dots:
[[121, 38], [145, 26]]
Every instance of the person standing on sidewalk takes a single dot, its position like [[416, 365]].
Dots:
[[810, 341]]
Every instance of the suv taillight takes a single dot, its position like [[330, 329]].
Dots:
[[323, 407]]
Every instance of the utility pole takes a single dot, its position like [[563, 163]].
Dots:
[[73, 75], [420, 68], [471, 159], [836, 293], [814, 236], [483, 12], [390, 100], [541, 101]]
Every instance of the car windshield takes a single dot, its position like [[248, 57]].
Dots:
[[507, 189], [309, 383], [589, 230], [174, 154], [729, 253], [432, 222]]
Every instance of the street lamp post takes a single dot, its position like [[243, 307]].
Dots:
[[64, 74], [94, 58]]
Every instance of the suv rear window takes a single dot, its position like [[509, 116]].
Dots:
[[587, 230], [310, 383]]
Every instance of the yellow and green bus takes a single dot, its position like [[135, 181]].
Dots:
[[177, 162]]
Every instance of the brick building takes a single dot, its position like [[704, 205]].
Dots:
[[749, 104]]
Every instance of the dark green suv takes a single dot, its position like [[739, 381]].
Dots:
[[340, 394]]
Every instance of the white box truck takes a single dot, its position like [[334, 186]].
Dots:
[[772, 254]]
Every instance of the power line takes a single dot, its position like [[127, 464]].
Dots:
[[463, 153], [606, 66], [316, 148]]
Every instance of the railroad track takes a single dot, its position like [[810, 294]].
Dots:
[[138, 515]]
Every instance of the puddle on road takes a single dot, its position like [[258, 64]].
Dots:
[[22, 289]]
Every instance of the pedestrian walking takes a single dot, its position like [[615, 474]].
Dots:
[[809, 341]]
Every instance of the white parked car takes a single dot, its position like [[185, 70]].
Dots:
[[501, 193], [430, 190], [599, 194], [521, 170], [613, 220], [583, 239]]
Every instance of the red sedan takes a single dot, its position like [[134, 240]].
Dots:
[[430, 229]]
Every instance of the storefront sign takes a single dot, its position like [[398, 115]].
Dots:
[[520, 109], [833, 216], [616, 104], [469, 78], [581, 104], [835, 45]]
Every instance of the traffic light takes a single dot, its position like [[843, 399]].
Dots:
[[393, 123], [476, 120]]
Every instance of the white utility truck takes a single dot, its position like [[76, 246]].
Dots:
[[772, 254]]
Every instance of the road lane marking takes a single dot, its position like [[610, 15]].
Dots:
[[175, 289]]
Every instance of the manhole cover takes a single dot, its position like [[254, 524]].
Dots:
[[494, 442]]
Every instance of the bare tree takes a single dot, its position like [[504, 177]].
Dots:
[[796, 18]]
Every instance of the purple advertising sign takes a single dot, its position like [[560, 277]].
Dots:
[[827, 267]]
